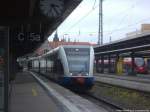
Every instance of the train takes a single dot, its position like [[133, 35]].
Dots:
[[141, 65], [68, 65]]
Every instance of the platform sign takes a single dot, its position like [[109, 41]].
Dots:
[[29, 37]]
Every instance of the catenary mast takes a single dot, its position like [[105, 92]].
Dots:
[[100, 31]]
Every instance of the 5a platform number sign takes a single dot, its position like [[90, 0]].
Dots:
[[34, 37], [29, 37]]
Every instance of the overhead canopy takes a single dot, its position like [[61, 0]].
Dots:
[[30, 22], [135, 45]]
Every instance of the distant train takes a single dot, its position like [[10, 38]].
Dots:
[[68, 65], [140, 65]]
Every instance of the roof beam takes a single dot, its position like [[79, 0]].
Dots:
[[32, 7]]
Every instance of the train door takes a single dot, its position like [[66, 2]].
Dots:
[[59, 65], [49, 65], [29, 65], [43, 66], [35, 65]]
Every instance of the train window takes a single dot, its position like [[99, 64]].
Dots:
[[77, 51], [59, 67], [78, 66], [78, 60], [35, 63], [139, 61], [42, 63], [29, 64], [50, 64]]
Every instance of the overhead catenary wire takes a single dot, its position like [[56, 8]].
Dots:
[[127, 15], [94, 4], [82, 18], [120, 29], [106, 31], [88, 13], [130, 25]]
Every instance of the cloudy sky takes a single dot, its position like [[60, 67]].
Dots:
[[119, 18]]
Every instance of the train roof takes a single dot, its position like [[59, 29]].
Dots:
[[66, 46], [76, 46], [53, 51]]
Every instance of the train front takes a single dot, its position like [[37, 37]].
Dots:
[[80, 66]]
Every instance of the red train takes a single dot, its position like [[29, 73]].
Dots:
[[141, 65]]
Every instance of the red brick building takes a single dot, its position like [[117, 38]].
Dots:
[[56, 44]]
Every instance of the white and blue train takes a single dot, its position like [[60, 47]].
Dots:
[[68, 65]]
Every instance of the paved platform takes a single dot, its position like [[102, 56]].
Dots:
[[70, 100], [141, 83], [33, 93], [28, 96]]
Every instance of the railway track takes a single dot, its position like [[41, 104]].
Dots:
[[101, 102], [140, 79], [111, 107]]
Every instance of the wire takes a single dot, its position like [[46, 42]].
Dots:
[[125, 17], [81, 19], [93, 8], [118, 29], [94, 4], [107, 31], [132, 24]]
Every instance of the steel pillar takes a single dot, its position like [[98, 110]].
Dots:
[[102, 64]]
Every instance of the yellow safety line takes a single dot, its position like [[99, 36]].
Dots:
[[34, 92]]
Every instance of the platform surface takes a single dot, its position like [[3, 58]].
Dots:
[[72, 101], [28, 96], [141, 83]]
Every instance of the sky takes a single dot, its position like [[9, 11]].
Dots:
[[119, 18]]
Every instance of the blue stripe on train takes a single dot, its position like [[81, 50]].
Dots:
[[88, 81]]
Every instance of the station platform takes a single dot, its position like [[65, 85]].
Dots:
[[28, 96], [33, 93], [138, 82]]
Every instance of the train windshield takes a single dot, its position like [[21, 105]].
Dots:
[[139, 62], [78, 60]]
